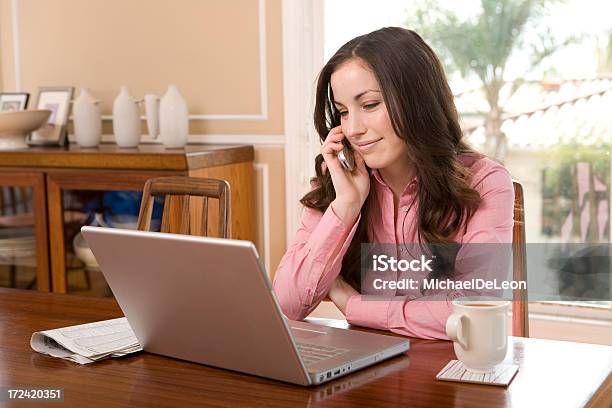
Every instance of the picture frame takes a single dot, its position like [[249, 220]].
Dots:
[[13, 101], [58, 99]]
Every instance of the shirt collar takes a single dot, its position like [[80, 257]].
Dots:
[[466, 159], [376, 174]]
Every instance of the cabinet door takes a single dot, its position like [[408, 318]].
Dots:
[[24, 259]]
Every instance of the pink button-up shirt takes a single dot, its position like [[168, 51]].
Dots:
[[312, 262]]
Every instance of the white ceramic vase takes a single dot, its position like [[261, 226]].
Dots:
[[87, 119], [126, 119], [173, 119], [152, 113]]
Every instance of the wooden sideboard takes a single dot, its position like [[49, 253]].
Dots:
[[49, 171]]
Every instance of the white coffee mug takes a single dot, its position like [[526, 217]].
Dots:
[[478, 328]]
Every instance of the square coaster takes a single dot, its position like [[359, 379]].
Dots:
[[456, 371]]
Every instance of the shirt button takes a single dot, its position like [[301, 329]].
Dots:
[[405, 208]]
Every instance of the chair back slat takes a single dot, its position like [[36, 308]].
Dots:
[[520, 311], [175, 217], [146, 208], [205, 219], [224, 212]]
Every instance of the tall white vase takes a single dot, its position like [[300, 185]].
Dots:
[[152, 112], [173, 119], [87, 119], [126, 119]]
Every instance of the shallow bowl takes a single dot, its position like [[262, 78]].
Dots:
[[14, 126]]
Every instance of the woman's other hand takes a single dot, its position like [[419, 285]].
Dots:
[[352, 188]]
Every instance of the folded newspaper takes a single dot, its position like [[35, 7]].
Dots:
[[89, 342]]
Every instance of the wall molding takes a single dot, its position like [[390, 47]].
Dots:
[[302, 59], [263, 141], [263, 70], [264, 170], [16, 50]]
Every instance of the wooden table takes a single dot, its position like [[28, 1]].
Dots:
[[109, 167], [552, 373]]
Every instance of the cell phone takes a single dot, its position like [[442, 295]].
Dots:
[[347, 160]]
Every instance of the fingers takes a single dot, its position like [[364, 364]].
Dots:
[[331, 148], [332, 145], [335, 134], [360, 163]]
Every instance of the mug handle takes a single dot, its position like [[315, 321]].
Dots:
[[455, 329]]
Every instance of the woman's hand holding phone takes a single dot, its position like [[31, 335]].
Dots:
[[352, 188]]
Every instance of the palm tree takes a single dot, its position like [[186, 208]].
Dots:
[[483, 46]]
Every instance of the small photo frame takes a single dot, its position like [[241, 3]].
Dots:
[[58, 100], [13, 101]]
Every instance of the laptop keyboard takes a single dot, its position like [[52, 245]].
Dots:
[[313, 353]]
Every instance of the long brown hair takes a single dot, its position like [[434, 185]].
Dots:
[[422, 112]]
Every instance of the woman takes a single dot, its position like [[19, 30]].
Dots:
[[415, 181]]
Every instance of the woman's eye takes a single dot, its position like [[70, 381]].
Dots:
[[371, 105], [343, 113]]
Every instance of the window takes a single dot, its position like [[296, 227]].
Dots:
[[541, 106]]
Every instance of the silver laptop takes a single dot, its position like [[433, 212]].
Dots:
[[209, 300]]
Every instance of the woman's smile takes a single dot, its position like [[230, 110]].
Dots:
[[368, 146]]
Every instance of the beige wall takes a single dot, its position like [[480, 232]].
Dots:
[[210, 49], [7, 73], [270, 212]]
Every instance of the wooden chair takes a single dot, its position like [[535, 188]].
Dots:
[[180, 214], [520, 312]]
